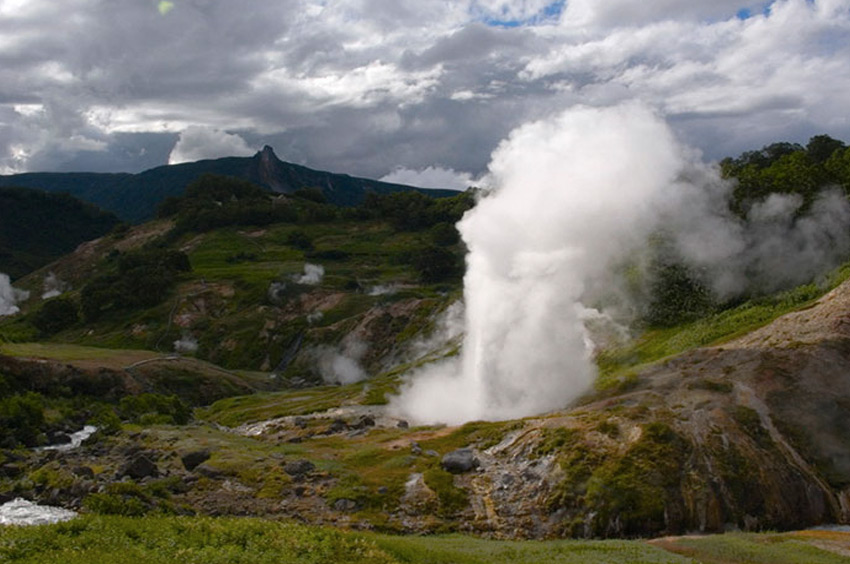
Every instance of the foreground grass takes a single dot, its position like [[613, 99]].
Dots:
[[204, 540], [457, 549], [199, 540]]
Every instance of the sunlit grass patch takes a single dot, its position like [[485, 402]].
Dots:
[[740, 548], [68, 352]]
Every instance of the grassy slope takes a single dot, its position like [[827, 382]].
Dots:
[[203, 540], [618, 365]]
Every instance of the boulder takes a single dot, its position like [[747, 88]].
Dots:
[[208, 471], [192, 459], [83, 471], [138, 467], [299, 467], [459, 461], [364, 422], [337, 426], [345, 505]]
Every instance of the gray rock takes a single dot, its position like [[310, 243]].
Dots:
[[192, 459], [345, 505], [337, 426], [83, 472], [459, 461], [208, 471], [138, 467], [299, 467], [364, 422]]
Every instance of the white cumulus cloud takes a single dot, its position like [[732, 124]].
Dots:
[[199, 142]]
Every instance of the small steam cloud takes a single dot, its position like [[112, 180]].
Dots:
[[313, 274], [571, 198], [53, 286], [383, 290], [10, 297], [187, 344], [275, 292], [342, 365]]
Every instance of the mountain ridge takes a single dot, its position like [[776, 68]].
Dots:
[[134, 197]]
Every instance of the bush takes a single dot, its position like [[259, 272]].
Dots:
[[437, 264], [299, 240], [21, 420], [444, 234], [119, 498], [56, 315], [155, 409], [139, 279]]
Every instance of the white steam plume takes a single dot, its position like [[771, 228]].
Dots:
[[342, 365], [186, 344], [53, 286], [313, 274], [572, 195], [9, 296]]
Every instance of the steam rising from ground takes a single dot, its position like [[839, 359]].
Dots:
[[341, 365], [9, 296], [572, 197], [572, 194], [186, 344], [313, 274], [53, 286]]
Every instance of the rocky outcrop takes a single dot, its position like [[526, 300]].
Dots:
[[751, 435]]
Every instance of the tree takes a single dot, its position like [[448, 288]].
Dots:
[[437, 264], [821, 147]]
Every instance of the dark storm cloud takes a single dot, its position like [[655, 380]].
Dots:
[[368, 86]]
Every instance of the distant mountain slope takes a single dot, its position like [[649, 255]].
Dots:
[[134, 197], [38, 227]]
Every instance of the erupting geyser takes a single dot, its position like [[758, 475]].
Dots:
[[570, 195]]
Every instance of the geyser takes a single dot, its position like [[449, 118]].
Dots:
[[570, 195]]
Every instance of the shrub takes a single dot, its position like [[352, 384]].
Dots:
[[21, 419], [56, 315]]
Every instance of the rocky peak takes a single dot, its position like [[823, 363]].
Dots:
[[268, 169]]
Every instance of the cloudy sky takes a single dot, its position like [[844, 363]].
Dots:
[[414, 90]]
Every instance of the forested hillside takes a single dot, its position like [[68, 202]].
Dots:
[[38, 227]]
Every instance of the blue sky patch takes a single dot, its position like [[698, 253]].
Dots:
[[550, 13]]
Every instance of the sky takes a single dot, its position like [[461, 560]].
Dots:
[[416, 91]]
